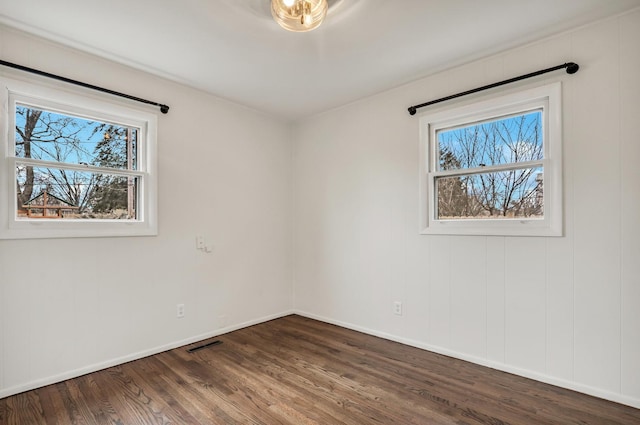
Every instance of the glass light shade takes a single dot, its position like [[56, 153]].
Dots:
[[302, 15]]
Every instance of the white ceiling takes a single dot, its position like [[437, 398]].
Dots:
[[234, 49]]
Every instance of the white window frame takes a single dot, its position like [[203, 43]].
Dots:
[[548, 98], [82, 104]]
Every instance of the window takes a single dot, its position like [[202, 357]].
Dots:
[[74, 165], [494, 167]]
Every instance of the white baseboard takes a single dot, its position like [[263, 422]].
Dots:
[[563, 383], [6, 392]]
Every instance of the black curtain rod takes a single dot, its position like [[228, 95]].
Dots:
[[163, 108], [571, 67]]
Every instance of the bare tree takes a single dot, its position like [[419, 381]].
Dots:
[[513, 192], [23, 148], [52, 137]]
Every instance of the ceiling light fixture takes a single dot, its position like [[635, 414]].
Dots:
[[299, 15]]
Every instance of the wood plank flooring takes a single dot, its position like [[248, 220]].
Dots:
[[299, 371]]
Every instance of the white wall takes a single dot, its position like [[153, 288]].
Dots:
[[68, 306], [563, 310]]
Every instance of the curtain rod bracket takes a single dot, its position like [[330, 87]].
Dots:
[[571, 68]]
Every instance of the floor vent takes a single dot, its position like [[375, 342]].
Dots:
[[200, 347]]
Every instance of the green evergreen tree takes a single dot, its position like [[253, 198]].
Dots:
[[452, 193], [110, 192]]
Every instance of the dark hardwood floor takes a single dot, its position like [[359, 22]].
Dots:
[[300, 371]]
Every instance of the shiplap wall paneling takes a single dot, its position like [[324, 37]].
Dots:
[[525, 337], [440, 291], [596, 108], [468, 295], [496, 304], [559, 251]]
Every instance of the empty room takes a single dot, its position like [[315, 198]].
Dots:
[[319, 212]]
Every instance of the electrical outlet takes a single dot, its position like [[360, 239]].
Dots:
[[180, 310], [397, 308]]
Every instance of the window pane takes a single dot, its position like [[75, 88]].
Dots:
[[502, 141], [51, 136], [71, 194], [504, 194]]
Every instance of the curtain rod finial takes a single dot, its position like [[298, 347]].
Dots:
[[572, 68]]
